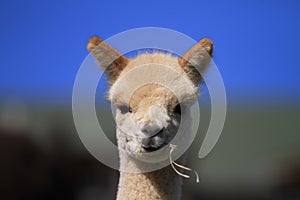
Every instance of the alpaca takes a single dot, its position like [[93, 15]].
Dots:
[[148, 115]]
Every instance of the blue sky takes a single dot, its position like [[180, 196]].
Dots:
[[256, 42]]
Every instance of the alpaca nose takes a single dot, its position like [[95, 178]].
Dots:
[[150, 129]]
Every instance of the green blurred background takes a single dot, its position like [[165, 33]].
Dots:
[[256, 157]]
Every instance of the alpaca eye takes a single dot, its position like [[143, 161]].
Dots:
[[125, 109], [177, 109]]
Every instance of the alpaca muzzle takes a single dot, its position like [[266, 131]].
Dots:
[[153, 142]]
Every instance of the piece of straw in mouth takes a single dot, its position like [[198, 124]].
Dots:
[[172, 146]]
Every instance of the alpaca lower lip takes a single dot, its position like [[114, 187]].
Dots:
[[151, 149]]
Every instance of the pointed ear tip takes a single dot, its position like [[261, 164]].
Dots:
[[95, 38], [206, 42], [93, 42]]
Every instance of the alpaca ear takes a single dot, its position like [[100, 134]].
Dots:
[[109, 59], [197, 60]]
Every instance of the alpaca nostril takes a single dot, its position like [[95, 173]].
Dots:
[[145, 129]]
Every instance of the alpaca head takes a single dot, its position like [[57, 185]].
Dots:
[[151, 92]]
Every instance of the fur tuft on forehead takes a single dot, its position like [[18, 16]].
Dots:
[[156, 68]]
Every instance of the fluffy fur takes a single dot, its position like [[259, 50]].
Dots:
[[153, 93]]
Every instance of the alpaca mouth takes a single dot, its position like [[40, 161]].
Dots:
[[151, 149], [154, 142]]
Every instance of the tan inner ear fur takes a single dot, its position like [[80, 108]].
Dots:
[[192, 62], [109, 58], [197, 59]]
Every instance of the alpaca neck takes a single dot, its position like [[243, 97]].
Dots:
[[162, 184]]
